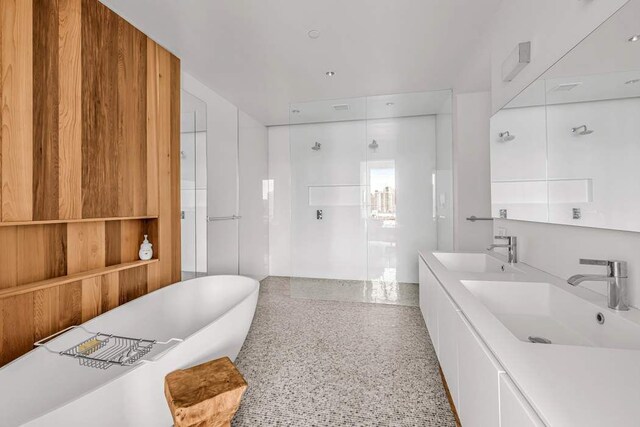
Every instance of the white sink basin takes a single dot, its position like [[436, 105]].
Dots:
[[474, 263], [545, 311]]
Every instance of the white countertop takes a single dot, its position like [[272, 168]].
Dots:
[[566, 385]]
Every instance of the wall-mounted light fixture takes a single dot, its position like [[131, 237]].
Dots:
[[516, 61]]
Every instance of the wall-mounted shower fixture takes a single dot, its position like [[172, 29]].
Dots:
[[506, 136], [316, 146], [374, 145], [581, 130]]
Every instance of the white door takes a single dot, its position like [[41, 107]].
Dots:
[[222, 188]]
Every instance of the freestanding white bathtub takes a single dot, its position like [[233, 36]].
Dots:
[[212, 316]]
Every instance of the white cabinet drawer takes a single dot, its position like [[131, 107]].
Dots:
[[515, 411], [478, 376], [448, 325]]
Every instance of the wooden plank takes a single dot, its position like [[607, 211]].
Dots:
[[131, 236], [85, 246], [17, 330], [70, 221], [91, 298], [153, 277], [45, 109], [132, 114], [40, 253], [46, 312], [16, 21], [70, 302], [113, 246], [163, 118], [99, 111], [152, 124], [70, 110], [8, 257], [176, 249], [59, 281], [133, 284], [110, 291]]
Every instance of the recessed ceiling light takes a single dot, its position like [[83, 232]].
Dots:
[[390, 104], [634, 38], [295, 111], [313, 34], [632, 82], [330, 73]]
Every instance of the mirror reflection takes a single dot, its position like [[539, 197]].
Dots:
[[566, 150]]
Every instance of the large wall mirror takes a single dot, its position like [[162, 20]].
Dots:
[[566, 150]]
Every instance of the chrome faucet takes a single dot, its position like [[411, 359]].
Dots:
[[616, 279], [511, 245]]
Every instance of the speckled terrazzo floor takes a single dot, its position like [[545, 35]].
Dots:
[[311, 362]]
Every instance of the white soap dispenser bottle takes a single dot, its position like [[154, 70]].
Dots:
[[146, 250]]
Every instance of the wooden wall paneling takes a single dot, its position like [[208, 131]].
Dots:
[[99, 111], [176, 249], [110, 291], [132, 284], [70, 305], [40, 252], [132, 115], [69, 110], [85, 246], [45, 109], [16, 22], [8, 257], [91, 298], [46, 312], [152, 127], [17, 327]]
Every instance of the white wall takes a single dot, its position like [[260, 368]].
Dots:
[[556, 248], [280, 201], [254, 198], [230, 184], [552, 26], [471, 170]]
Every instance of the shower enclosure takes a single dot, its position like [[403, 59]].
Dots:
[[193, 185], [370, 185]]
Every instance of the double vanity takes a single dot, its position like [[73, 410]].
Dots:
[[519, 347]]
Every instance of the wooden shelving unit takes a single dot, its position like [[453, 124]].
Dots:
[[62, 280]]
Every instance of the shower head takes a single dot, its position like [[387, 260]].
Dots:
[[373, 145], [316, 146], [506, 136], [581, 130]]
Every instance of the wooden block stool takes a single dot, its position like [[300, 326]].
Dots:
[[206, 395]]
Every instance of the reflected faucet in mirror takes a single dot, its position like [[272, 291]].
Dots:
[[581, 130], [506, 136], [616, 279], [511, 246]]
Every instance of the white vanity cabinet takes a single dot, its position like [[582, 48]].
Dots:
[[482, 392], [428, 296], [515, 411]]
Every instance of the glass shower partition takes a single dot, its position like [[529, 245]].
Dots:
[[371, 185], [193, 185]]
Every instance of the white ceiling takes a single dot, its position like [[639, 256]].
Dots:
[[256, 53]]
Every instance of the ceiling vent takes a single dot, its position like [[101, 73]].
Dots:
[[566, 87], [341, 107]]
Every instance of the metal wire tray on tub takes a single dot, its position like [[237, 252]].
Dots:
[[102, 350]]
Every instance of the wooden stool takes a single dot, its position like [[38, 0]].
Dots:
[[206, 395]]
